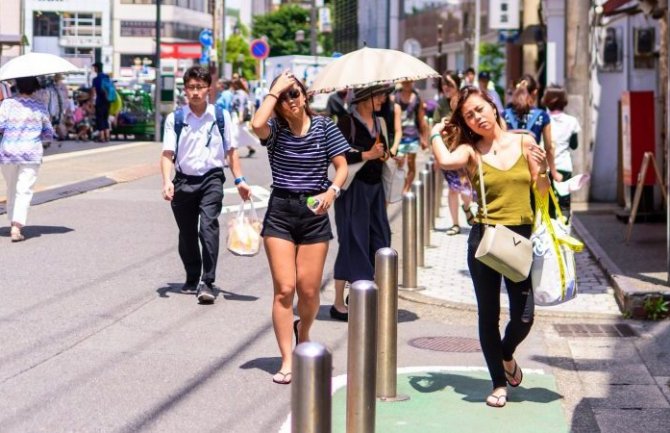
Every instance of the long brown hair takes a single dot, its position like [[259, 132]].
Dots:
[[458, 130], [303, 90], [525, 87]]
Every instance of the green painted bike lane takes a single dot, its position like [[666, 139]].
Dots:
[[452, 400]]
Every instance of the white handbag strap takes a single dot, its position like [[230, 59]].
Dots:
[[481, 187]]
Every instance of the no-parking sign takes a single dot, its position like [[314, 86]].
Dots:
[[259, 49]]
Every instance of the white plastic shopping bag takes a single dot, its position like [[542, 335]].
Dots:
[[393, 178], [553, 272], [244, 232]]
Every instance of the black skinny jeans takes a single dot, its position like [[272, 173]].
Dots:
[[487, 291]]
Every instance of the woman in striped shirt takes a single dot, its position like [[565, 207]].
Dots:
[[300, 147]]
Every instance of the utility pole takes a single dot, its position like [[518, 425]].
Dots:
[[478, 31], [577, 60], [223, 40], [531, 17], [157, 66]]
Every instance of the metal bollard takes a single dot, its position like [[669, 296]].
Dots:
[[362, 357], [311, 389], [427, 206], [409, 241], [437, 191], [417, 189], [431, 193], [386, 277]]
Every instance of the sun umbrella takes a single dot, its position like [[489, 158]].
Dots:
[[34, 64], [370, 66]]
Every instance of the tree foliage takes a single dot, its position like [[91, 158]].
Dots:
[[492, 60], [237, 44], [280, 28]]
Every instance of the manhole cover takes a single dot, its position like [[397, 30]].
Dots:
[[447, 344], [594, 330]]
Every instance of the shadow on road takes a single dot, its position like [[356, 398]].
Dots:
[[403, 315], [165, 291], [268, 364], [37, 231], [475, 389]]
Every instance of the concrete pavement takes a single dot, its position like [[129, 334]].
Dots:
[[96, 340]]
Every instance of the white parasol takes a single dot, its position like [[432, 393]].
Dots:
[[35, 64], [368, 67]]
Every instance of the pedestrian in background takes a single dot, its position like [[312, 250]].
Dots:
[[564, 133], [511, 164], [485, 85], [360, 214], [300, 146], [522, 116], [198, 153], [25, 125], [469, 77], [225, 97], [101, 103], [337, 105], [241, 111], [414, 128], [456, 179]]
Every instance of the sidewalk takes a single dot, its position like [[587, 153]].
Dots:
[[444, 286], [77, 167]]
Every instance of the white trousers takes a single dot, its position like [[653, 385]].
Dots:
[[20, 179]]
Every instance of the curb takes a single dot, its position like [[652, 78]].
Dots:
[[627, 291], [112, 178], [544, 313]]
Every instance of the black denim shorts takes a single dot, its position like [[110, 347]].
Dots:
[[289, 218]]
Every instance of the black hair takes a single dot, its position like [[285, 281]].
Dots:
[[197, 73], [470, 70], [27, 85], [451, 75], [303, 90]]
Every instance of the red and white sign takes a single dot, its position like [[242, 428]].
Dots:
[[181, 51]]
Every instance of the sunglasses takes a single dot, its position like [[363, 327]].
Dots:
[[291, 94]]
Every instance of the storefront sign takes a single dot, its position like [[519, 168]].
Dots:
[[504, 14]]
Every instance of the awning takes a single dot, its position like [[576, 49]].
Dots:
[[10, 39]]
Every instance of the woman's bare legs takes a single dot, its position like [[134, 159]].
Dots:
[[294, 268]]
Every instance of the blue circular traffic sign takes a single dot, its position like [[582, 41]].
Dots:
[[259, 49], [206, 38]]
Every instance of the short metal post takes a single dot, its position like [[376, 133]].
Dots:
[[439, 182], [409, 252], [417, 189], [425, 178], [311, 389], [431, 193], [386, 277], [362, 357]]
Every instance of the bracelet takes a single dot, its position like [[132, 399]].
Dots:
[[433, 136], [239, 180], [273, 95]]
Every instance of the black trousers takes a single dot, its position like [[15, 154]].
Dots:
[[362, 229], [196, 207], [487, 291]]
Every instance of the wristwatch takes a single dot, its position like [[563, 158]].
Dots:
[[337, 190]]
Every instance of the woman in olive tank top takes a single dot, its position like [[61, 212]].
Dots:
[[511, 164]]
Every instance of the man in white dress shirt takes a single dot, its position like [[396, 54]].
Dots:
[[195, 147]]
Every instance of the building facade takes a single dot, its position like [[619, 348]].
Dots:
[[79, 30], [10, 30], [134, 29]]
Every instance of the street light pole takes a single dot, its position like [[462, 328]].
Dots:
[[478, 30], [157, 67]]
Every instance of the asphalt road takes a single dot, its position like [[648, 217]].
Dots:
[[96, 337]]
